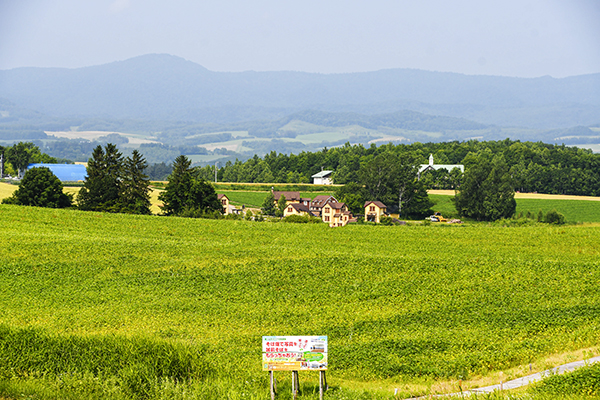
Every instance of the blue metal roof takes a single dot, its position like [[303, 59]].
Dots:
[[65, 172]]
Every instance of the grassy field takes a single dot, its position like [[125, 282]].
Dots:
[[574, 208], [117, 306]]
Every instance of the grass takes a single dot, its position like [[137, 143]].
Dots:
[[412, 307]]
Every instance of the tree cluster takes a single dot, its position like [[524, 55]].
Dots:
[[114, 183], [534, 166], [20, 155], [487, 191], [389, 177], [40, 188], [187, 193]]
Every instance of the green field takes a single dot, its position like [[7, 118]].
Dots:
[[117, 306], [573, 210]]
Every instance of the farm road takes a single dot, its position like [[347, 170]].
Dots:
[[523, 381]]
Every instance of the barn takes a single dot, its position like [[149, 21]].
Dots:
[[65, 172]]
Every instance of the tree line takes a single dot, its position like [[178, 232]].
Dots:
[[534, 166], [119, 184]]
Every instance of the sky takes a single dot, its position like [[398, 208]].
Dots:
[[523, 38]]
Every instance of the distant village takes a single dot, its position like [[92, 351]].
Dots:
[[325, 207]]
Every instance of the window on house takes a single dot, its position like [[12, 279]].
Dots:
[[372, 208], [327, 218], [224, 202]]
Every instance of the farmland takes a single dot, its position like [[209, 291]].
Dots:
[[180, 304]]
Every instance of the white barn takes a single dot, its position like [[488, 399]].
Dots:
[[322, 178]]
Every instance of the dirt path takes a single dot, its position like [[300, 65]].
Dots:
[[529, 196], [523, 381]]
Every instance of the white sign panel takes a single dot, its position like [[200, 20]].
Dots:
[[294, 353]]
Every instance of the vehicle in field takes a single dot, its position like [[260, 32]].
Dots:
[[437, 217]]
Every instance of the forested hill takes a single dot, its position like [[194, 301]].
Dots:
[[170, 88]]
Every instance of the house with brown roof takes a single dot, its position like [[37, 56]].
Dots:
[[227, 207], [317, 204], [336, 214], [374, 210], [297, 209]]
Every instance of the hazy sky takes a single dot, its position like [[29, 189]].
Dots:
[[524, 38]]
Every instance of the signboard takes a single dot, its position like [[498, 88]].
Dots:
[[294, 353]]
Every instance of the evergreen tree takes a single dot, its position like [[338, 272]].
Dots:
[[174, 197], [281, 205], [135, 188], [40, 188], [268, 205], [102, 187], [187, 194]]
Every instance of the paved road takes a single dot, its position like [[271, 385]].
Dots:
[[525, 380]]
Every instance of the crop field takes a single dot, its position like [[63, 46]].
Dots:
[[6, 189], [574, 208], [118, 306]]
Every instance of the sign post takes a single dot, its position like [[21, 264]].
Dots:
[[295, 353]]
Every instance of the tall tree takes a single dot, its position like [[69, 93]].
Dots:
[[174, 197], [268, 205], [187, 193], [135, 187], [487, 192], [102, 187], [353, 195], [281, 205], [18, 156], [392, 179], [40, 188]]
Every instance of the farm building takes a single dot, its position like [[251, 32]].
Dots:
[[434, 167], [322, 178], [65, 172]]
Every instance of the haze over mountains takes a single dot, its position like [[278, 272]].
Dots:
[[167, 95]]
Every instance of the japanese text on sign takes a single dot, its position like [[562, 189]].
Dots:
[[294, 353]]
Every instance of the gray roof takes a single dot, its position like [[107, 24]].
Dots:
[[322, 174]]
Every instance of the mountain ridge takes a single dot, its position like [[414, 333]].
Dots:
[[167, 87]]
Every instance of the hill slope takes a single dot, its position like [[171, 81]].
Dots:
[[412, 305]]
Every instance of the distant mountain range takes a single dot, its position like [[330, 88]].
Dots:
[[168, 101], [164, 87]]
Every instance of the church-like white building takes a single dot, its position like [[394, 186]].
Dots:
[[434, 167]]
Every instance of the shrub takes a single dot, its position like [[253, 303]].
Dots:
[[386, 220], [554, 217], [301, 219]]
